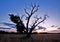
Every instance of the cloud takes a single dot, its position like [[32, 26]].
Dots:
[[54, 31], [8, 27], [58, 27], [41, 27]]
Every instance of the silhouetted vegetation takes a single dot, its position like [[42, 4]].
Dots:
[[3, 32], [20, 25]]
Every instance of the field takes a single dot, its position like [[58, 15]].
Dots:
[[34, 38]]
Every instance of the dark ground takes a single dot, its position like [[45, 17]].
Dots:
[[34, 38]]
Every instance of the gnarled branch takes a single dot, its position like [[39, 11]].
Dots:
[[34, 9], [26, 12], [34, 25]]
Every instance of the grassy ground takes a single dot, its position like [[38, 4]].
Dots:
[[34, 38]]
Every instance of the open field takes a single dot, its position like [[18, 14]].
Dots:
[[34, 38]]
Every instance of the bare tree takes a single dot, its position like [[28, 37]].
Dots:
[[36, 23], [34, 9]]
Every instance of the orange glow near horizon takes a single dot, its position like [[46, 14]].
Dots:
[[38, 31], [47, 30]]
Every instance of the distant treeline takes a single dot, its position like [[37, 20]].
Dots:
[[3, 32]]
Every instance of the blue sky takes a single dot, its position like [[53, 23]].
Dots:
[[50, 7]]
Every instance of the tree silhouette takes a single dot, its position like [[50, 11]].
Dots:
[[20, 25], [36, 23]]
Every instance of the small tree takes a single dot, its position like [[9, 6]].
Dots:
[[19, 23]]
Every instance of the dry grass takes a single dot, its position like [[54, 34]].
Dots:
[[34, 38]]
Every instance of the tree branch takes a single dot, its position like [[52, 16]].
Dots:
[[45, 16], [35, 22], [34, 9], [26, 12], [22, 17], [33, 27]]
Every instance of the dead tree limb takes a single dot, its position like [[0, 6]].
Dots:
[[34, 9], [36, 24]]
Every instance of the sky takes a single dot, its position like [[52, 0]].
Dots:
[[50, 7]]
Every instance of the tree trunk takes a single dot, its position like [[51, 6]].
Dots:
[[30, 32]]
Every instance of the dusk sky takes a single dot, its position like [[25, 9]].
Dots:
[[50, 7]]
